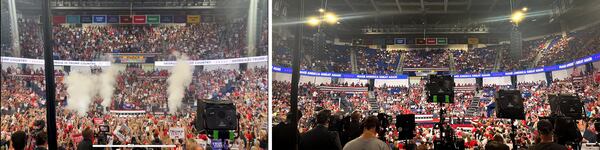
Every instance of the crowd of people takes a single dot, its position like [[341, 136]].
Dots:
[[549, 50], [482, 128], [136, 89], [206, 40]]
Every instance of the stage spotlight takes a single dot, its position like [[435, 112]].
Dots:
[[517, 17], [313, 21], [330, 18], [321, 10]]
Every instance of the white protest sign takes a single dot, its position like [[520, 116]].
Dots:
[[176, 133]]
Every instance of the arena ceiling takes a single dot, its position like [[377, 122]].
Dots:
[[495, 14]]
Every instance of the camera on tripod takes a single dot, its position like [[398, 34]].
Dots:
[[566, 109], [440, 89], [218, 119]]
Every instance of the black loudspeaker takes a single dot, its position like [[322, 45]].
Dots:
[[510, 105], [566, 105], [243, 66], [371, 85], [406, 126], [218, 115]]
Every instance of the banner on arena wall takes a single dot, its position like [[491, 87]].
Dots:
[[59, 19], [73, 19], [420, 41], [180, 19], [56, 62], [125, 19], [400, 40], [99, 19], [389, 41], [472, 41], [452, 41], [410, 41], [216, 61], [139, 19], [85, 19], [339, 75], [431, 41], [177, 133], [166, 19], [578, 62], [442, 41], [112, 19], [193, 19], [153, 19]]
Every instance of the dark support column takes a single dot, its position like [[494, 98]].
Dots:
[[479, 82], [297, 49], [513, 81], [549, 78], [49, 73]]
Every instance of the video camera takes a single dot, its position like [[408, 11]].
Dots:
[[566, 109]]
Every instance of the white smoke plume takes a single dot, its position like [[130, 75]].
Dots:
[[81, 89], [107, 85], [178, 81]]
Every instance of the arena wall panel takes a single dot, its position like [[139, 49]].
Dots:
[[463, 81], [537, 77], [284, 77], [561, 74], [257, 64], [505, 80], [391, 82]]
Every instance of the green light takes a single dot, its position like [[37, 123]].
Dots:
[[447, 98], [435, 98]]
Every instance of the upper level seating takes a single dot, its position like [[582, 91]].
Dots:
[[90, 42], [436, 58]]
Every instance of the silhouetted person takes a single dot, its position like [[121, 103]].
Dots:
[[368, 139], [18, 140], [353, 127], [86, 143], [588, 135], [41, 141], [497, 144], [546, 131], [283, 131], [319, 137]]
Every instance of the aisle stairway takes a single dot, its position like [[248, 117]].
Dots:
[[400, 67], [473, 109], [452, 63], [373, 102]]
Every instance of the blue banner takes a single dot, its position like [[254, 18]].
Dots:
[[99, 19], [400, 40], [112, 19], [578, 62], [339, 75], [166, 19], [180, 19], [86, 19]]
